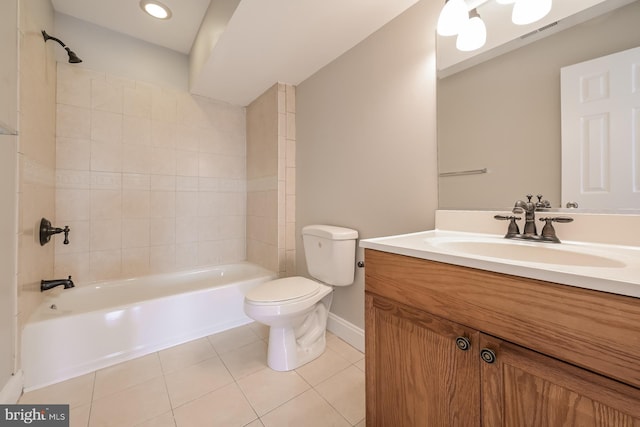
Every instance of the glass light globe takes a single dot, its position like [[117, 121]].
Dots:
[[473, 35], [529, 11], [453, 16]]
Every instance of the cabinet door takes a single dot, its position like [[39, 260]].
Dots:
[[522, 388], [415, 373]]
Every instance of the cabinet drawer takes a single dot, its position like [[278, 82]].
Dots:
[[595, 330]]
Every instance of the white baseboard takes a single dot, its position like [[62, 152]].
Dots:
[[346, 331], [12, 390]]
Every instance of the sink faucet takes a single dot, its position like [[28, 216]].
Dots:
[[45, 285], [530, 231], [529, 209]]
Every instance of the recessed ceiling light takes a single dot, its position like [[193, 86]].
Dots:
[[155, 9]]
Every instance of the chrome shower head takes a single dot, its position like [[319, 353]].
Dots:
[[73, 58]]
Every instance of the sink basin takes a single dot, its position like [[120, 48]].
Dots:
[[544, 253], [601, 267]]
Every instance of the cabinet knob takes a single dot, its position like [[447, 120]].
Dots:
[[463, 343], [488, 355]]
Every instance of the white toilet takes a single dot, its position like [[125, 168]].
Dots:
[[296, 308]]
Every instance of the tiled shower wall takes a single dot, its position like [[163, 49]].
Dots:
[[149, 179], [271, 154], [36, 153]]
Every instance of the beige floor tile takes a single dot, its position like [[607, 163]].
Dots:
[[308, 410], [131, 406], [345, 392], [256, 423], [360, 365], [233, 339], [246, 360], [74, 392], [197, 380], [344, 349], [225, 407], [119, 377], [268, 389], [187, 354], [362, 423], [325, 366], [260, 330], [79, 416], [164, 420]]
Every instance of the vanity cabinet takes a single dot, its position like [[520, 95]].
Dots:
[[456, 346]]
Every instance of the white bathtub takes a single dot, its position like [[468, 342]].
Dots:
[[101, 324]]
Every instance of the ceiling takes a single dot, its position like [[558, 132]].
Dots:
[[265, 41]]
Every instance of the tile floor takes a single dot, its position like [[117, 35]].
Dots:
[[220, 380]]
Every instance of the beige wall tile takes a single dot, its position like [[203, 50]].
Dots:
[[106, 127], [73, 122], [106, 96], [162, 259], [106, 157], [135, 262], [106, 235], [136, 203], [137, 101], [136, 130], [136, 159], [157, 166], [105, 265], [74, 154], [135, 234]]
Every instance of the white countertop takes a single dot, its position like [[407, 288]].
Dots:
[[618, 271]]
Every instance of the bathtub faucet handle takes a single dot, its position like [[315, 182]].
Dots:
[[47, 230]]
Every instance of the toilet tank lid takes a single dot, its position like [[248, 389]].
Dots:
[[330, 232]]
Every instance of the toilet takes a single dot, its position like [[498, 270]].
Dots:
[[296, 308]]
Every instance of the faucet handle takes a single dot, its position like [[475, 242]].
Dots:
[[513, 227], [548, 232], [542, 203]]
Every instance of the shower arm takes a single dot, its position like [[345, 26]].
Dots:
[[73, 58]]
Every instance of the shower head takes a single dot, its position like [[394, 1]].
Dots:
[[73, 58]]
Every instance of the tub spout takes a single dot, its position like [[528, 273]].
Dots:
[[45, 285]]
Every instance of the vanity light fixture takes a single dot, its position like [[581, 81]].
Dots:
[[473, 34], [155, 9], [455, 19]]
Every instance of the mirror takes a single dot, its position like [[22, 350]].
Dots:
[[503, 115]]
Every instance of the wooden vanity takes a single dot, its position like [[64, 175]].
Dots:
[[448, 345]]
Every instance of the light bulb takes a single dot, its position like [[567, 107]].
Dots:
[[473, 35], [529, 11], [155, 9], [453, 16]]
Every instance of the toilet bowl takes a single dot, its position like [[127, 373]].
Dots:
[[296, 308], [297, 321]]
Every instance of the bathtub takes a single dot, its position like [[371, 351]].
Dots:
[[90, 327]]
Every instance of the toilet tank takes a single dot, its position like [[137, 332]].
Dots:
[[330, 252]]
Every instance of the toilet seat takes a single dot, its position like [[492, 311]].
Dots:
[[286, 290]]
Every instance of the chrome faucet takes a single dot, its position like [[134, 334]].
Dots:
[[45, 285], [530, 231]]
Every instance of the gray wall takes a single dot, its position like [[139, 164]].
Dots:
[[504, 114], [366, 141]]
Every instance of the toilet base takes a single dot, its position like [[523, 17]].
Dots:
[[292, 347]]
